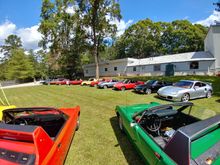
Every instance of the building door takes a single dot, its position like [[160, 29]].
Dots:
[[169, 70]]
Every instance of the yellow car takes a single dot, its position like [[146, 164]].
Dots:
[[88, 82], [5, 107]]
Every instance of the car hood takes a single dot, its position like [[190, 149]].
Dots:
[[171, 89]]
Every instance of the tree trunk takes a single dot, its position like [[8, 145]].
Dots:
[[96, 63]]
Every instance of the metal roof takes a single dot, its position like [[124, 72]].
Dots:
[[182, 57]]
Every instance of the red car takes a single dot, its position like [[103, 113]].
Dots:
[[75, 82], [62, 82], [95, 83], [127, 84], [39, 135]]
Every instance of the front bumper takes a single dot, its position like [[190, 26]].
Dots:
[[169, 97]]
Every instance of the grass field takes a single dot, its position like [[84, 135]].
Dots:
[[99, 140]]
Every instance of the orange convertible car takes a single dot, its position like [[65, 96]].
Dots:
[[38, 136]]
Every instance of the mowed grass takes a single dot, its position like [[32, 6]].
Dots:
[[98, 140]]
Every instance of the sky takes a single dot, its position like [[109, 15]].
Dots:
[[22, 17]]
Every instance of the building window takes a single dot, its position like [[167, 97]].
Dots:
[[194, 65], [134, 69], [106, 69], [156, 67], [115, 68], [87, 71]]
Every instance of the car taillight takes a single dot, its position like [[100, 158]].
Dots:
[[17, 157]]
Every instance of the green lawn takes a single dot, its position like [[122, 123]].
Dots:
[[98, 140]]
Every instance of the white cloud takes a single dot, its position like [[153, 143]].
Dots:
[[211, 20], [6, 29], [29, 36], [121, 25]]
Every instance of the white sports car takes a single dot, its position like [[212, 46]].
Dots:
[[185, 90]]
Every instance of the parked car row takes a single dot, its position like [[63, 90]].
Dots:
[[183, 90]]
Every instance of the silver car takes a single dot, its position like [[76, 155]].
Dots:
[[106, 85], [185, 90]]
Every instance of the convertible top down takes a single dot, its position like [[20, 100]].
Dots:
[[39, 135], [168, 134]]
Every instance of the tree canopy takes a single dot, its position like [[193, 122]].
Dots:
[[147, 38]]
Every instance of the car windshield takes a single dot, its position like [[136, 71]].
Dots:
[[91, 79], [126, 81], [184, 84], [150, 82]]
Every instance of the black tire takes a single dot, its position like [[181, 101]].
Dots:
[[185, 97], [105, 86], [78, 123], [209, 94], [120, 124], [148, 91], [123, 88]]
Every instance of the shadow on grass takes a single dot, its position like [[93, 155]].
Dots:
[[127, 148], [218, 101]]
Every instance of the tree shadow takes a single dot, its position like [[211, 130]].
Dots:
[[126, 146], [218, 101]]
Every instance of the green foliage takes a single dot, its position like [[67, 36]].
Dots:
[[12, 42], [19, 66], [64, 33], [147, 38]]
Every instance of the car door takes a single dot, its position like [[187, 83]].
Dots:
[[198, 90], [147, 147]]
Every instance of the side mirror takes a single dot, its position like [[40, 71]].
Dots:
[[132, 124]]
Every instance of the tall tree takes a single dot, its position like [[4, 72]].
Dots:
[[12, 42], [98, 16], [63, 32], [19, 66]]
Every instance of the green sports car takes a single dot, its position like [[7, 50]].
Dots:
[[168, 134]]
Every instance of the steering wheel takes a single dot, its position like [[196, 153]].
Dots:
[[153, 123], [20, 121]]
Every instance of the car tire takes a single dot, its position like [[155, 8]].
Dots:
[[120, 123], [105, 87], [77, 123], [123, 88], [185, 97], [209, 94], [148, 91]]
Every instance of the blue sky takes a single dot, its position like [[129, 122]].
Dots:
[[22, 17]]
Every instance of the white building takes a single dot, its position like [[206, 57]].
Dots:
[[199, 63]]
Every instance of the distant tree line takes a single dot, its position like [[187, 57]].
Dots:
[[147, 38], [16, 64], [87, 35]]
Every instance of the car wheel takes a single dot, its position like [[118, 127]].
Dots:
[[77, 124], [209, 94], [105, 87], [185, 97], [122, 88], [148, 91], [120, 123]]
